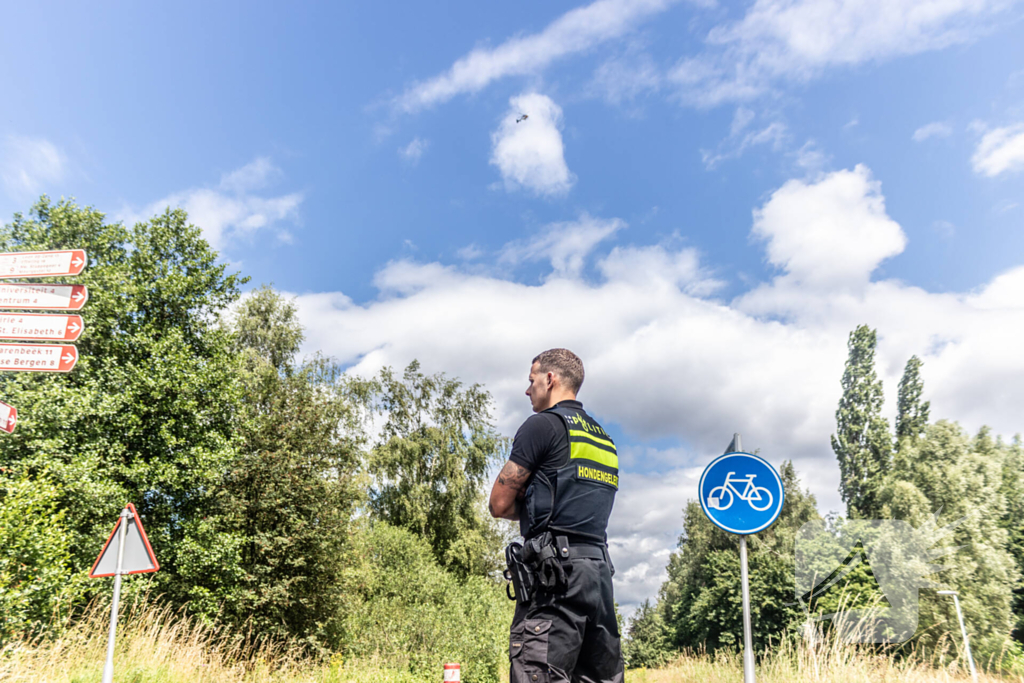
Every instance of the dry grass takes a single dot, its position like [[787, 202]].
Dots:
[[160, 646], [840, 665], [823, 658]]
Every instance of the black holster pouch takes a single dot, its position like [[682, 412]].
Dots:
[[545, 558], [519, 576]]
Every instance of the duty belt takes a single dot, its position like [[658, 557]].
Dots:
[[590, 552], [540, 563], [570, 551]]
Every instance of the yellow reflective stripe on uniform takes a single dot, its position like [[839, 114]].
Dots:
[[592, 437], [591, 452]]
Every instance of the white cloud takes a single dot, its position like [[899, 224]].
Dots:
[[231, 210], [575, 31], [29, 165], [945, 229], [935, 129], [414, 150], [797, 40], [811, 158], [1000, 151], [666, 360], [530, 154], [644, 529], [738, 142], [564, 245], [623, 79], [831, 233], [255, 175]]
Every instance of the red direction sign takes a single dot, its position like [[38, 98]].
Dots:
[[38, 357], [138, 557], [42, 263], [8, 417], [45, 297], [40, 326]]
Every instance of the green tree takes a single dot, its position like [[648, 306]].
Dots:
[[1013, 523], [862, 442], [148, 415], [430, 464], [700, 602], [646, 643], [35, 573], [273, 553], [912, 412]]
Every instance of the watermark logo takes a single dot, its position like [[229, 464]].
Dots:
[[865, 576]]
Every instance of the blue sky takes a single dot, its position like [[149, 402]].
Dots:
[[704, 200]]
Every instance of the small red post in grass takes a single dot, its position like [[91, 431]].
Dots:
[[452, 673]]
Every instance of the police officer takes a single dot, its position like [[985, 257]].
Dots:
[[560, 483]]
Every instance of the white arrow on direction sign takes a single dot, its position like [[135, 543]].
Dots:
[[8, 417]]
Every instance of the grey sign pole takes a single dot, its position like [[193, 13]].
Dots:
[[748, 636], [122, 531], [963, 630]]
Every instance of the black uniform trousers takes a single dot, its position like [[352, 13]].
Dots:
[[571, 635]]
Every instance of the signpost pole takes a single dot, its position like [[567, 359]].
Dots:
[[963, 630], [748, 636], [967, 643], [748, 649], [742, 494], [108, 668]]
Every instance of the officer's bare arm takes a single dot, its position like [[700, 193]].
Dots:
[[508, 490]]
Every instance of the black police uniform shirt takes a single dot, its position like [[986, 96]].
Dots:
[[542, 442]]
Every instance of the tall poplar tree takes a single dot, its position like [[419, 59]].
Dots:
[[912, 412], [862, 442]]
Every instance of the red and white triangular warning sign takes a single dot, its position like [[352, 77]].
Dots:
[[138, 555]]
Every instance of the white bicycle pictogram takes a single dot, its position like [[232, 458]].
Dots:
[[752, 494]]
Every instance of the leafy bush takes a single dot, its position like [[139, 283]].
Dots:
[[35, 574], [404, 609]]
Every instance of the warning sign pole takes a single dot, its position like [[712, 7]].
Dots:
[[108, 668], [133, 555]]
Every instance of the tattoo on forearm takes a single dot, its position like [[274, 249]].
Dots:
[[513, 476]]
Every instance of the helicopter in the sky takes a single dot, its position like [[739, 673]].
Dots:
[[522, 118]]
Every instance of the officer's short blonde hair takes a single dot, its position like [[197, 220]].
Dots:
[[565, 364]]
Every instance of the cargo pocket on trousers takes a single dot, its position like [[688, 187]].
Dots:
[[528, 652]]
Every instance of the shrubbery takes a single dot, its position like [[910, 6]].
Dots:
[[35, 568], [404, 609]]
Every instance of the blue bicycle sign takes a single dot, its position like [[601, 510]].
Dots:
[[741, 493]]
